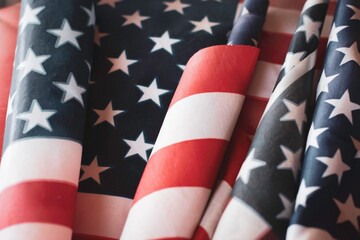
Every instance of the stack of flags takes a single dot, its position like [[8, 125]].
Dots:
[[180, 119]]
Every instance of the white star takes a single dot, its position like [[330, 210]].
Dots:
[[164, 42], [91, 15], [107, 115], [92, 171], [303, 194], [356, 15], [333, 36], [36, 116], [152, 93], [121, 63], [357, 147], [313, 135], [288, 208], [182, 67], [296, 113], [98, 35], [32, 63], [310, 28], [348, 212], [323, 85], [343, 106], [30, 17], [291, 60], [244, 11], [334, 165], [139, 146], [176, 6], [249, 165], [292, 160], [351, 54], [135, 19], [66, 35], [71, 90], [204, 25], [111, 3]]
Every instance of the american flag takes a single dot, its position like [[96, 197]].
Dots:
[[104, 220], [137, 66], [45, 120], [327, 204], [190, 147], [267, 183]]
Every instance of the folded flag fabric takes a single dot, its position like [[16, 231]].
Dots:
[[246, 31], [327, 204], [45, 120], [140, 50], [267, 183], [188, 152]]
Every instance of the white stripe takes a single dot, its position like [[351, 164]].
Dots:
[[200, 116], [281, 20], [327, 26], [239, 221], [36, 231], [100, 215], [298, 232], [171, 212], [275, 20], [40, 158], [264, 79], [216, 207], [292, 76]]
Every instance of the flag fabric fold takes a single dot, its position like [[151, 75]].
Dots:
[[267, 182], [140, 51], [189, 149], [327, 204], [193, 138], [246, 30], [45, 120]]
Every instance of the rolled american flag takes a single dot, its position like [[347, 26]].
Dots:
[[45, 120], [265, 189]]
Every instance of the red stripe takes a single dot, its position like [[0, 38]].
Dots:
[[236, 154], [274, 47], [201, 234], [189, 163], [78, 236], [38, 201], [9, 18], [251, 113], [270, 235], [170, 238], [218, 69]]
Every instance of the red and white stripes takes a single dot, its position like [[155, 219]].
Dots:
[[183, 166], [50, 189]]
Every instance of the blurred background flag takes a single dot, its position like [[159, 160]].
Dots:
[[267, 183], [327, 205], [45, 120]]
